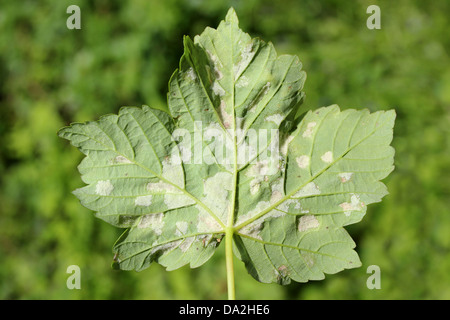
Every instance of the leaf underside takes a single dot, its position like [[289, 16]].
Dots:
[[288, 200]]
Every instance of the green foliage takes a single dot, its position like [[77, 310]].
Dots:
[[51, 76], [285, 199]]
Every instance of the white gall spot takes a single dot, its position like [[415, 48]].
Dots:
[[104, 188], [165, 248], [246, 56], [253, 230], [191, 74], [308, 258], [309, 129], [354, 205], [242, 82], [346, 206], [186, 244], [217, 89], [310, 189], [307, 222], [217, 65], [327, 157], [285, 205], [181, 228], [216, 190], [266, 88], [162, 187], [206, 223], [143, 201], [227, 119], [153, 221], [255, 184], [121, 159], [275, 118], [260, 168], [345, 176], [303, 161], [276, 196], [173, 201], [172, 171]]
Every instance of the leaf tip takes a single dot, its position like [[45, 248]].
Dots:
[[64, 132], [232, 16], [391, 113]]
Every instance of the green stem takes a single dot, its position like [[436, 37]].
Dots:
[[229, 262]]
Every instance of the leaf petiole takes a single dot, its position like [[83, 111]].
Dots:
[[229, 231]]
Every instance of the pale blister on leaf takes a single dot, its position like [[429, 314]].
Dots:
[[287, 200]]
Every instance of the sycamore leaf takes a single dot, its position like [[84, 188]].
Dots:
[[230, 155]]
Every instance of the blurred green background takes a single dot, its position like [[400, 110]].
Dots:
[[124, 55]]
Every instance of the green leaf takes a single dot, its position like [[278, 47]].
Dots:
[[231, 159]]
